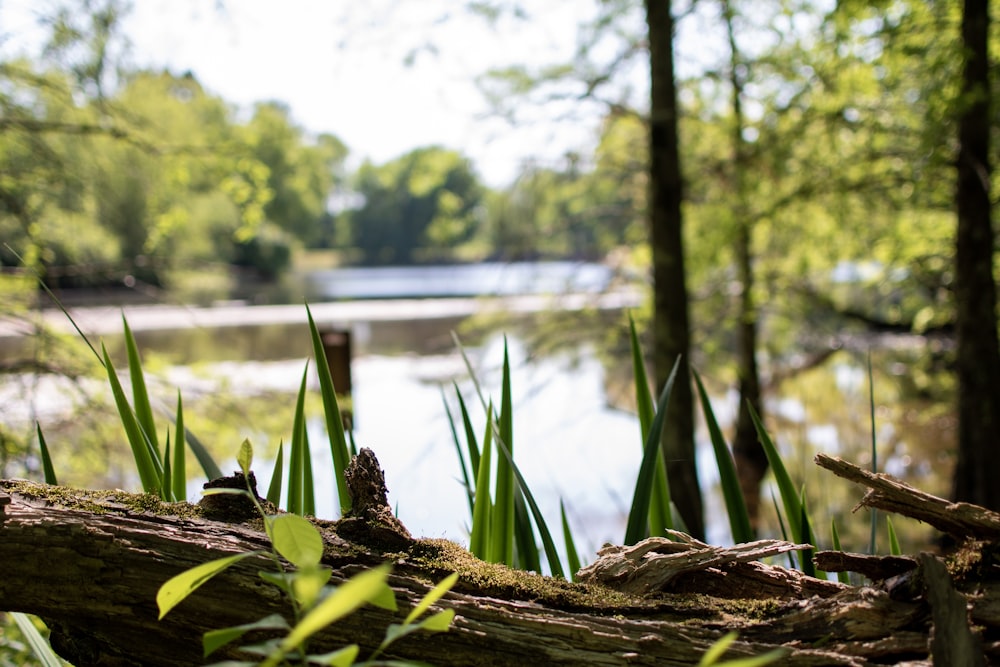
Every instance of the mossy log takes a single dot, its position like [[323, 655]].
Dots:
[[90, 563]]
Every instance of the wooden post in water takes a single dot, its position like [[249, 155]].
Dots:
[[337, 346]]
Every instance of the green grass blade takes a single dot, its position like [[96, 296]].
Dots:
[[39, 645], [331, 410], [167, 488], [739, 518], [47, 469], [503, 498], [549, 546], [660, 516], [894, 549], [308, 488], [786, 489], [525, 547], [466, 480], [482, 509], [179, 468], [296, 460], [140, 396], [148, 468], [470, 433], [638, 517], [842, 577], [205, 460], [784, 530], [572, 557], [274, 488], [806, 557]]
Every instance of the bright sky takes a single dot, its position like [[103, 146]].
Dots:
[[342, 68]]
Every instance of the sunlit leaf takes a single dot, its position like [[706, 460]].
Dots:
[[39, 645], [344, 657], [177, 588], [245, 457], [214, 639], [47, 469], [297, 540], [432, 596]]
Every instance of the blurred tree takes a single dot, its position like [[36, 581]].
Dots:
[[978, 355], [417, 208], [671, 331]]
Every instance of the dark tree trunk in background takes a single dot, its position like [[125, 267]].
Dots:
[[978, 362], [670, 318], [751, 462]]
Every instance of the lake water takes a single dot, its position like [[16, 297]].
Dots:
[[574, 438]]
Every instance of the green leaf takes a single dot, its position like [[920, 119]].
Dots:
[[660, 517], [39, 645], [274, 488], [283, 580], [739, 517], [638, 518], [503, 497], [480, 539], [47, 469], [572, 558], [353, 593], [177, 588], [307, 583], [212, 640], [245, 457], [296, 539], [331, 410], [439, 622], [167, 489], [179, 469], [140, 397], [432, 596], [718, 649], [296, 460], [344, 657], [798, 519], [205, 460], [466, 481], [148, 468], [893, 540]]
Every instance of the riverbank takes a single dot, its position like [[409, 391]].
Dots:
[[107, 320]]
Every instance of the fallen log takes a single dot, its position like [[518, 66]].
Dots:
[[90, 563]]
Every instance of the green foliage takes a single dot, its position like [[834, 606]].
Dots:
[[315, 604], [417, 208], [719, 648]]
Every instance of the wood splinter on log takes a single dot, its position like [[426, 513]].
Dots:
[[370, 520]]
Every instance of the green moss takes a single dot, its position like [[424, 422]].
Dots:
[[101, 502]]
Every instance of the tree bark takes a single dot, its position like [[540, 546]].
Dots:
[[671, 329], [978, 354], [748, 454], [90, 563]]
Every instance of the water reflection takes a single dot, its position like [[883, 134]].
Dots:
[[571, 440]]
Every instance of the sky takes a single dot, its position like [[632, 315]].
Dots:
[[384, 76]]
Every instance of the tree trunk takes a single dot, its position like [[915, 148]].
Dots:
[[978, 354], [671, 331], [90, 564], [749, 456]]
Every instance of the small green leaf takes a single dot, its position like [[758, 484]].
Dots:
[[433, 596], [177, 588], [893, 540], [716, 650], [50, 472], [214, 639], [438, 622], [572, 557], [283, 580], [343, 658], [308, 582], [245, 457], [296, 539], [353, 593], [274, 488], [179, 470]]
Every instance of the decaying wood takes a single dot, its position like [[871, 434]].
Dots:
[[960, 520], [90, 563]]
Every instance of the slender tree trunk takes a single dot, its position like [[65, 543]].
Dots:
[[978, 362], [670, 318], [751, 462]]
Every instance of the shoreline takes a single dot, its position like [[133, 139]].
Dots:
[[105, 320]]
